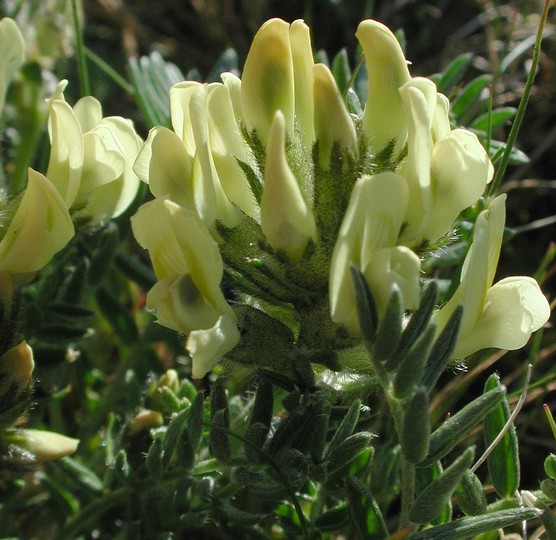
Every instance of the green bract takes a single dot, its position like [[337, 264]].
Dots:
[[272, 183]]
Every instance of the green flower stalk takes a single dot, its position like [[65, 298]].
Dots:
[[273, 185]]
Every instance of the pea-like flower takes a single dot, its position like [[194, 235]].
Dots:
[[275, 185], [503, 315], [91, 157]]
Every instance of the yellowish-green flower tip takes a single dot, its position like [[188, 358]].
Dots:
[[16, 368], [302, 57], [42, 446], [503, 315], [13, 49], [170, 380], [40, 228], [145, 419], [267, 83], [384, 120], [206, 347], [333, 124], [286, 219], [372, 222]]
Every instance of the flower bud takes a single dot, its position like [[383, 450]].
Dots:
[[16, 369], [41, 445]]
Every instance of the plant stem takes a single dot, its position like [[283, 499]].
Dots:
[[81, 59]]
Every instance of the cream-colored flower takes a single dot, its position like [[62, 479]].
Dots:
[[91, 157], [189, 267], [367, 239], [16, 369], [39, 229], [503, 315], [41, 446]]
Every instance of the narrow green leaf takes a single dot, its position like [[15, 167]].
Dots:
[[347, 450], [468, 527], [346, 427], [412, 365], [172, 435], [471, 495], [498, 118], [431, 501], [218, 399], [219, 440], [389, 330], [135, 270], [239, 517], [117, 315], [195, 420], [153, 461], [365, 515], [73, 288], [442, 350], [416, 429], [103, 256], [417, 324], [341, 70], [445, 438], [469, 95], [334, 519], [81, 474], [366, 307], [322, 411], [503, 461], [453, 73]]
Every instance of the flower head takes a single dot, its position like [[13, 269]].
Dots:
[[273, 185]]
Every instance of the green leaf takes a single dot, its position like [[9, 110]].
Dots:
[[347, 450], [81, 474], [498, 118], [103, 256], [417, 324], [346, 427], [468, 527], [550, 466], [334, 519], [416, 429], [469, 95], [471, 495], [412, 365], [172, 436], [117, 315], [238, 517], [389, 330], [366, 307], [219, 440], [365, 515], [153, 461], [453, 73], [135, 270], [341, 70], [442, 350], [503, 461], [432, 500], [445, 438], [322, 409]]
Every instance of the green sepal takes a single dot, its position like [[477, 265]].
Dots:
[[471, 495], [412, 366], [442, 350], [416, 429], [550, 466], [417, 324], [348, 450], [346, 427], [430, 503], [468, 527], [365, 515], [366, 307], [503, 461], [445, 437], [104, 255], [389, 330]]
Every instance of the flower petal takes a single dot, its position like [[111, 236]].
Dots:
[[207, 347], [333, 124], [267, 83], [384, 119], [40, 228], [13, 48], [286, 219]]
